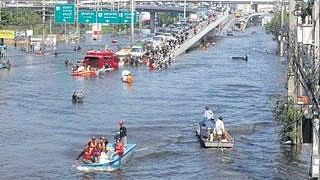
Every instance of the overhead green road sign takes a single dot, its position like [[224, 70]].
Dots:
[[109, 17], [87, 17], [125, 17], [64, 13]]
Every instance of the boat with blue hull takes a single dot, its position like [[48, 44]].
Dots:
[[111, 163]]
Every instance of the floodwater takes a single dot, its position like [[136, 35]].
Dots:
[[42, 132]]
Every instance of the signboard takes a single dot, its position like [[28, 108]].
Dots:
[[106, 17], [109, 17], [64, 13], [126, 17], [87, 17], [20, 36], [6, 34], [305, 34]]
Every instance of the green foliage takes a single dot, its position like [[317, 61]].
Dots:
[[165, 18], [20, 17], [274, 26], [289, 117]]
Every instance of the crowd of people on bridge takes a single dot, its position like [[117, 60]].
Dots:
[[161, 56]]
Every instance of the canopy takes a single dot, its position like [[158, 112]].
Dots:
[[125, 73]]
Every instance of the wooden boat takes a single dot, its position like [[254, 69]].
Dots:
[[114, 163], [245, 58], [213, 142], [84, 73]]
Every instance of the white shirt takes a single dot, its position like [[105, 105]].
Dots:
[[208, 114], [219, 127]]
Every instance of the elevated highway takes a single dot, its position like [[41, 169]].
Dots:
[[203, 31]]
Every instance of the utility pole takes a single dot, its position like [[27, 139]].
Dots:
[[292, 53], [43, 21], [77, 20], [132, 22], [184, 9], [315, 169], [282, 28]]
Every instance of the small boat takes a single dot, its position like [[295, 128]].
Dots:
[[126, 77], [5, 65], [245, 58], [85, 73], [77, 97], [109, 164], [114, 41], [204, 131]]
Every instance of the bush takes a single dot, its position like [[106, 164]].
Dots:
[[289, 117]]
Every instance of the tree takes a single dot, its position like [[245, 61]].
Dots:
[[274, 26]]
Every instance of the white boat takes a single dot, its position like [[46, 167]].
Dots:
[[207, 140], [114, 163]]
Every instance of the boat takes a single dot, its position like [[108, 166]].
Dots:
[[204, 131], [245, 58], [6, 65], [126, 76], [110, 163], [85, 73]]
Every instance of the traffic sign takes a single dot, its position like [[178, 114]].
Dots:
[[64, 13], [87, 17], [125, 17], [109, 17]]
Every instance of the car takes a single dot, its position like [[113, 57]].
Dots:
[[137, 51]]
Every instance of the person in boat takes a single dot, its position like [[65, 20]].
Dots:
[[129, 79], [83, 151], [219, 128], [208, 114], [119, 147], [102, 146], [94, 147], [87, 155], [123, 133]]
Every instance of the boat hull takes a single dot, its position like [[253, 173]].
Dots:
[[228, 142], [115, 163], [84, 73]]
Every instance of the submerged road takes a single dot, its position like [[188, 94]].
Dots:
[[42, 132]]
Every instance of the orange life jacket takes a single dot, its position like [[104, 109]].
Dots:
[[87, 155], [119, 148]]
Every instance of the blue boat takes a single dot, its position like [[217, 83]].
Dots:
[[113, 163]]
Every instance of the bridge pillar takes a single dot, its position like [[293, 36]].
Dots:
[[254, 7], [152, 21]]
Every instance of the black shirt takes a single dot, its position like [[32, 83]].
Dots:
[[123, 131]]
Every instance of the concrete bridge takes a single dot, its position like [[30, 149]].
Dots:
[[203, 31], [147, 8]]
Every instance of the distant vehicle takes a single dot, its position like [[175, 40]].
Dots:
[[137, 51], [158, 40], [100, 59]]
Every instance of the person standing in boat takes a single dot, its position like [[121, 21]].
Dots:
[[219, 127], [123, 133], [208, 114]]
